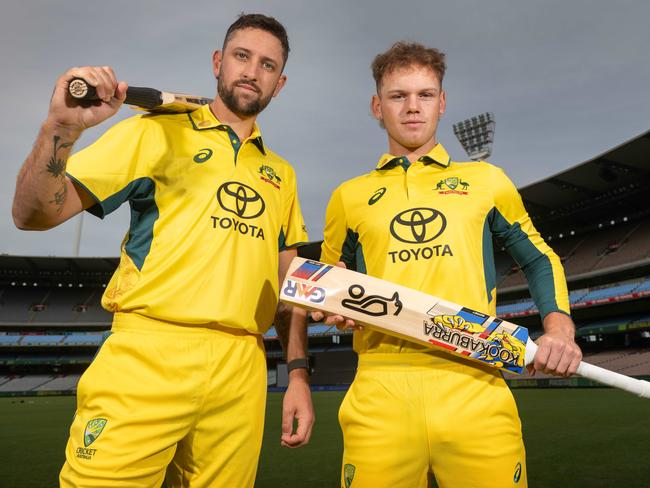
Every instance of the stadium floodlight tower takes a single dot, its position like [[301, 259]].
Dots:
[[476, 135]]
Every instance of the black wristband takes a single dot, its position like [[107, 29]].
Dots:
[[302, 363]]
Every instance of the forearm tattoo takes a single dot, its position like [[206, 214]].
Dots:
[[56, 167]]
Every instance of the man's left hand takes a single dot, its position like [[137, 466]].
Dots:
[[297, 405]]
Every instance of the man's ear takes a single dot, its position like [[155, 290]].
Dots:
[[217, 57], [375, 107], [279, 85]]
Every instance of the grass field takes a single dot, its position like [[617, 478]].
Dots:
[[574, 438]]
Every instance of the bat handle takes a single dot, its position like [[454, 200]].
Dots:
[[80, 89], [531, 350], [147, 98], [601, 375], [617, 380]]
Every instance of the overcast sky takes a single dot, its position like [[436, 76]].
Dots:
[[566, 81]]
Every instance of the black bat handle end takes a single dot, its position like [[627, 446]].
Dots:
[[80, 89]]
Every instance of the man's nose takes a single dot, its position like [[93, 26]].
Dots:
[[412, 104]]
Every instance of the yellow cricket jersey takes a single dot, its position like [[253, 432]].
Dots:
[[209, 214], [429, 225]]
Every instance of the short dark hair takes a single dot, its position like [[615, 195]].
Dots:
[[262, 22], [406, 54]]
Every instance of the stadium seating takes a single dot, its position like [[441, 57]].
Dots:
[[9, 340], [599, 249], [610, 291], [634, 247], [44, 305], [63, 383], [631, 363], [16, 303], [579, 297], [90, 339], [25, 383], [42, 340], [624, 361], [643, 286], [320, 329]]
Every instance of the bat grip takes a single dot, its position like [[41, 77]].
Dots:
[[617, 380], [147, 98], [601, 375]]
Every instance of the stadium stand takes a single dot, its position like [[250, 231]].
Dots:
[[25, 383], [599, 249], [60, 383]]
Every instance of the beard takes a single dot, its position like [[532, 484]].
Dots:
[[237, 104]]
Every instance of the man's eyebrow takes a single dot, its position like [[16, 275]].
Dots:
[[419, 90]]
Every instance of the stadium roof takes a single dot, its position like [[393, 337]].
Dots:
[[612, 185]]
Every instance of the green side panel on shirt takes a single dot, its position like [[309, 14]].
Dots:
[[361, 260], [144, 213], [352, 252], [489, 271]]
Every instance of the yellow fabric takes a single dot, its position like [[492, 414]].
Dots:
[[209, 214], [430, 227], [169, 394], [407, 416]]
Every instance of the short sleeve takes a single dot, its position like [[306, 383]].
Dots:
[[116, 166], [335, 233]]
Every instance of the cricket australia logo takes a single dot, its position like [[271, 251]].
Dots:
[[94, 428], [348, 474], [92, 431], [269, 175], [453, 185]]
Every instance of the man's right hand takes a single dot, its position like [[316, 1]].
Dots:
[[45, 196], [342, 323], [74, 116]]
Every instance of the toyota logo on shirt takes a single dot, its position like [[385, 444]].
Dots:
[[240, 199], [418, 225]]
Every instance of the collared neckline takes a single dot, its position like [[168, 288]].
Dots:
[[203, 119], [437, 155]]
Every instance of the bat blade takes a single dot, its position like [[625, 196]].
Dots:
[[406, 313], [142, 98], [424, 319]]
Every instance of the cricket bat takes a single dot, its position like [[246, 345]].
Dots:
[[424, 319], [147, 99]]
